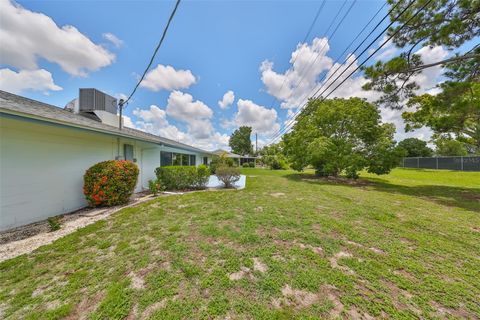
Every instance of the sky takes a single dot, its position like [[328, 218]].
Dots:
[[223, 64]]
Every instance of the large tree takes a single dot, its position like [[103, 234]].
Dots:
[[341, 136], [452, 24], [413, 147], [240, 141]]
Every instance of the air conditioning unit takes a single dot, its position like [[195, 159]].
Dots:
[[91, 100]]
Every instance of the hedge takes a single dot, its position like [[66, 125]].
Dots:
[[110, 183], [183, 177]]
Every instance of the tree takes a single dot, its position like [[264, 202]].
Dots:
[[413, 147], [456, 110], [240, 141], [450, 147], [447, 23], [341, 136], [273, 156]]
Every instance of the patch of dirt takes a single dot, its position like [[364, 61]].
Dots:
[[278, 257], [317, 250], [137, 281], [355, 314], [244, 271], [359, 245], [475, 229], [397, 293], [340, 255], [299, 299], [86, 306], [445, 312], [339, 180], [277, 194], [258, 209], [258, 265], [404, 273], [154, 307], [50, 305]]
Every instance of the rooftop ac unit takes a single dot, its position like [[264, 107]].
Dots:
[[91, 100]]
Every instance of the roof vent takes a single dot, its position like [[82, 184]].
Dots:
[[92, 100]]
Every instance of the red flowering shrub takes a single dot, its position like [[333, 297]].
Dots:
[[110, 183]]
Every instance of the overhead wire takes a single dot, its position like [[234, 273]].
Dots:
[[164, 33], [372, 54]]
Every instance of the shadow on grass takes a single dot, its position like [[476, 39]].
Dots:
[[465, 198]]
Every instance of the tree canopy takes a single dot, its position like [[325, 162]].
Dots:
[[454, 112], [240, 141], [450, 147], [413, 147], [341, 135], [272, 156]]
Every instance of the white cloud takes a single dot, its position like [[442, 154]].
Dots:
[[113, 39], [27, 36], [167, 78], [308, 62], [16, 82], [195, 114], [260, 118], [227, 99], [387, 52], [352, 87]]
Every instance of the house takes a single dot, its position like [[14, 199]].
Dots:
[[45, 151], [239, 159]]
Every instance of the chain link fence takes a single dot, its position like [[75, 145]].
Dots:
[[467, 163]]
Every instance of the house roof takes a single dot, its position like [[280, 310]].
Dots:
[[232, 155], [28, 108]]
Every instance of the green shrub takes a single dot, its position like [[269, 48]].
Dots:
[[228, 175], [251, 164], [110, 183], [54, 223], [203, 174], [246, 165], [155, 186], [183, 177], [278, 163], [219, 161]]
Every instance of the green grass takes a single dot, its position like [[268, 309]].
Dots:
[[410, 244]]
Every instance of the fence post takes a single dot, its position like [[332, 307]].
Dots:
[[461, 162], [436, 158], [418, 162]]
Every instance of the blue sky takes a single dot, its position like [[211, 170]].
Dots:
[[240, 46]]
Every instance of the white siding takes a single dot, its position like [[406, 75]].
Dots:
[[42, 167]]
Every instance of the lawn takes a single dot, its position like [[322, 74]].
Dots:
[[404, 245]]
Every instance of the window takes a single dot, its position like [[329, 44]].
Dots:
[[176, 159], [165, 158], [205, 161], [184, 159], [128, 152]]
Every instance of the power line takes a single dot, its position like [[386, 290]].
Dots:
[[304, 39], [292, 117], [312, 63], [348, 47], [155, 52], [372, 54]]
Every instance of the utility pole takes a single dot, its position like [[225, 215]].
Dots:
[[120, 107], [256, 143]]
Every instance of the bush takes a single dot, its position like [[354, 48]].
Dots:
[[246, 165], [155, 186], [251, 164], [54, 223], [228, 175], [110, 183], [183, 177], [203, 174], [222, 160]]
